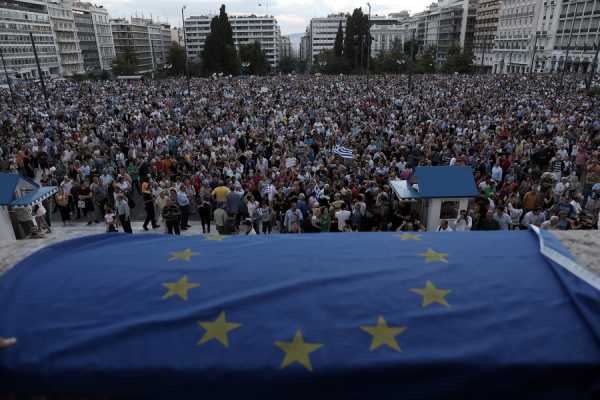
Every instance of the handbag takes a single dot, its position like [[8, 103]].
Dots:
[[81, 204]]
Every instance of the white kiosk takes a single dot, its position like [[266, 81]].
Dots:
[[18, 191], [439, 192]]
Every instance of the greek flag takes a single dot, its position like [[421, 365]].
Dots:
[[342, 151]]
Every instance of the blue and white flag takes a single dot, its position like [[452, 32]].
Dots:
[[343, 152]]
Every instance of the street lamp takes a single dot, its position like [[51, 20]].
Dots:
[[187, 73], [368, 45]]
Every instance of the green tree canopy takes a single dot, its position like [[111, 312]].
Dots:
[[219, 53], [458, 60], [338, 48], [252, 53], [125, 63], [176, 58], [355, 43]]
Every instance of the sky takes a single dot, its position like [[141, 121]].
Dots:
[[293, 15]]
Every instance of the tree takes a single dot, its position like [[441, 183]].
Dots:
[[458, 60], [125, 63], [287, 65], [219, 53], [338, 47], [252, 53], [176, 59], [356, 49], [426, 63]]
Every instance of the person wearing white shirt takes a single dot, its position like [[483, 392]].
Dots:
[[464, 222], [497, 173], [444, 227], [342, 217]]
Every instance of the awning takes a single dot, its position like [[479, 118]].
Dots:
[[34, 197]]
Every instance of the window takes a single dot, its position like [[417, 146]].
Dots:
[[449, 209]]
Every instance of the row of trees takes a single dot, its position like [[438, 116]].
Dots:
[[350, 53]]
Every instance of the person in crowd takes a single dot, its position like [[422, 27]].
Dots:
[[443, 227], [124, 212], [293, 219], [110, 220], [149, 204], [221, 219], [171, 214], [464, 222], [502, 218], [520, 145]]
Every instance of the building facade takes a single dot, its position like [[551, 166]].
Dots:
[[322, 33], [65, 36], [246, 29], [132, 36], [285, 47], [17, 20], [486, 25], [95, 36], [515, 36]]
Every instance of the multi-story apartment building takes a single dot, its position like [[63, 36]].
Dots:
[[132, 36], [514, 36], [95, 36], [574, 30], [246, 29], [304, 46], [446, 23], [322, 32], [17, 20], [264, 29], [285, 47], [486, 25], [196, 29], [65, 35]]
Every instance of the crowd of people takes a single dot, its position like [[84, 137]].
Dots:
[[255, 155]]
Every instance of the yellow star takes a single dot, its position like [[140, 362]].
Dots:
[[409, 236], [217, 330], [432, 256], [184, 255], [297, 351], [431, 294], [384, 334], [214, 237], [179, 288]]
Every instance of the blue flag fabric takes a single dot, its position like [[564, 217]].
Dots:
[[413, 316]]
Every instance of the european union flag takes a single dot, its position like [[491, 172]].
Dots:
[[411, 316]]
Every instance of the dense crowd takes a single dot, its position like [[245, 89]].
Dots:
[[254, 155]]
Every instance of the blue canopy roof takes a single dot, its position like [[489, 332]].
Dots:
[[9, 184], [446, 182]]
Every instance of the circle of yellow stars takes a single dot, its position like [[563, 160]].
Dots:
[[298, 351]]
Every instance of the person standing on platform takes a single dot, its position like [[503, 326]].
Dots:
[[172, 215], [184, 206], [124, 213], [148, 205]]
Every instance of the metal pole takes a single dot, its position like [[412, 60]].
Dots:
[[533, 55], [368, 45], [10, 88], [186, 69], [41, 75], [482, 56], [562, 76], [594, 65], [412, 58]]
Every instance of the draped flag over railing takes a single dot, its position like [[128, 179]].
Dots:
[[343, 152], [410, 316]]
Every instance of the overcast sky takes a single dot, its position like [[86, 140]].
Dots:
[[293, 15]]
